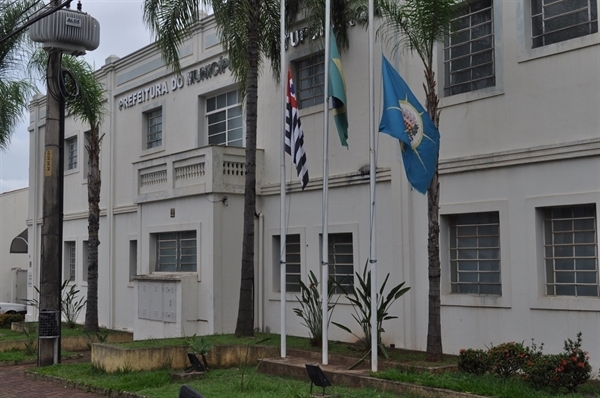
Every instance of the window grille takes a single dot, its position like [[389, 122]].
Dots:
[[176, 251], [71, 149], [341, 261], [310, 81], [154, 133], [571, 250], [553, 21], [475, 253], [225, 119]]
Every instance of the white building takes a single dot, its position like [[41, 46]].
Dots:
[[13, 246], [520, 187]]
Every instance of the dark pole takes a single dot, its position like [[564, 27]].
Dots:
[[51, 250]]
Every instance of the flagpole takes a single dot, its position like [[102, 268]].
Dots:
[[282, 234], [325, 221], [372, 182]]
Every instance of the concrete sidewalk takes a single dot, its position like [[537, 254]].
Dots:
[[15, 384]]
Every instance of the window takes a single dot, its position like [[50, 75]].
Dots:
[[225, 119], [293, 261], [310, 80], [85, 261], [71, 152], [153, 128], [475, 253], [553, 21], [341, 260], [469, 59], [176, 251], [571, 250], [132, 259], [70, 260]]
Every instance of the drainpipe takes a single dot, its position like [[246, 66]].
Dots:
[[110, 204], [260, 282]]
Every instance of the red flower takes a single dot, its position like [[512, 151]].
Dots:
[[462, 351], [580, 364]]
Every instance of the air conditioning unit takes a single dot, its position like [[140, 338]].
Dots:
[[72, 32]]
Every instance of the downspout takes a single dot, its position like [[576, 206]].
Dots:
[[110, 204], [260, 282], [33, 245]]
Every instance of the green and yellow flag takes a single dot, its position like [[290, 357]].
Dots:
[[337, 90]]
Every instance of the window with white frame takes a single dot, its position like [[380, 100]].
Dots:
[[571, 250], [85, 261], [225, 119], [475, 253], [553, 21], [310, 81], [341, 261], [293, 262], [70, 260], [176, 251], [71, 153], [154, 128], [469, 57]]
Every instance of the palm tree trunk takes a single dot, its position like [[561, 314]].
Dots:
[[434, 329], [245, 320], [94, 184]]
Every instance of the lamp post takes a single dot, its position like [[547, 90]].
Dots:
[[71, 32]]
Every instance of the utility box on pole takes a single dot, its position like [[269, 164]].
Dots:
[[70, 32]]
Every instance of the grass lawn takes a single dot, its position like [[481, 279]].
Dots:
[[8, 334], [15, 355], [222, 383]]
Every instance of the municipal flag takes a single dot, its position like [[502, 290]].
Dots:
[[337, 90], [405, 119], [294, 136]]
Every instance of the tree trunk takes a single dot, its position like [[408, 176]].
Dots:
[[94, 184], [434, 327], [245, 320]]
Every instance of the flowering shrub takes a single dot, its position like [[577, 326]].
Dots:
[[473, 361], [506, 359], [566, 370]]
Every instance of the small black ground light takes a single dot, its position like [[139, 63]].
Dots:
[[317, 377]]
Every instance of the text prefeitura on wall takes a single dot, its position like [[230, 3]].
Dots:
[[161, 88]]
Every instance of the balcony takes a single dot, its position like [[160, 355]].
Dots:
[[211, 169]]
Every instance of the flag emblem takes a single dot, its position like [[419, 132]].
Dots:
[[405, 119], [294, 136]]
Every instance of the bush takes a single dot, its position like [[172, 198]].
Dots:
[[7, 319], [567, 370], [507, 359], [474, 361]]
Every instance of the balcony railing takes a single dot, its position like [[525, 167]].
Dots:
[[211, 169]]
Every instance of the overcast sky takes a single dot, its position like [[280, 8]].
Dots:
[[121, 33]]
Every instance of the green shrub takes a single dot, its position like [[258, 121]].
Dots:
[[7, 319], [567, 370], [507, 359], [474, 361]]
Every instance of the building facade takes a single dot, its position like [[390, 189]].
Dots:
[[519, 174], [13, 246]]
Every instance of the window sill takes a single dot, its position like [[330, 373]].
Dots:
[[529, 54], [152, 151], [72, 171], [470, 96], [311, 110], [465, 300], [564, 303]]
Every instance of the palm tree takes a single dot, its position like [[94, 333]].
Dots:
[[417, 25], [15, 90], [86, 103], [249, 32]]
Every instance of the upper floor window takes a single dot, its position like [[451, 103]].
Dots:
[[554, 21], [225, 119], [571, 250], [176, 251], [475, 253], [71, 152], [154, 128], [469, 59], [310, 80]]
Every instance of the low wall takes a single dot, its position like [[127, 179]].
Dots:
[[113, 358], [71, 343]]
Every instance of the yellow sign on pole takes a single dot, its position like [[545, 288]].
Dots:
[[48, 163]]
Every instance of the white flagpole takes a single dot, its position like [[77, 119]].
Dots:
[[282, 234], [372, 172], [325, 238]]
